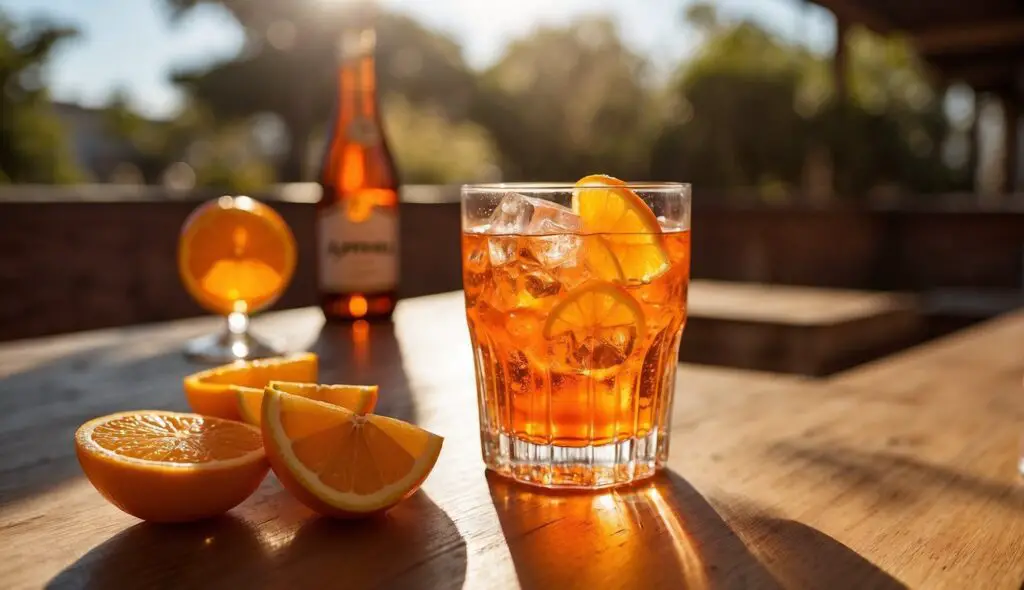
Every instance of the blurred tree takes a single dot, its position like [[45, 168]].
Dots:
[[32, 141], [752, 107], [735, 124], [225, 159], [429, 149], [566, 102], [223, 155], [152, 145], [890, 132], [749, 111], [288, 68]]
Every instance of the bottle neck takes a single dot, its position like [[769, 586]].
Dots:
[[357, 78], [357, 157]]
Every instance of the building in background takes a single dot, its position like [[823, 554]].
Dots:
[[100, 154]]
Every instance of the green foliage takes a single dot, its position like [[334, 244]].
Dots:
[[225, 159], [569, 101], [292, 74], [749, 112], [753, 107], [430, 149], [33, 146], [220, 155]]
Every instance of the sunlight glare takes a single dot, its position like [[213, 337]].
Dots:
[[686, 553]]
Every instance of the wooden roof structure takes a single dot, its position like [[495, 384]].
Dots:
[[979, 42]]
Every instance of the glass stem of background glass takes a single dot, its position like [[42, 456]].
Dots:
[[238, 333]]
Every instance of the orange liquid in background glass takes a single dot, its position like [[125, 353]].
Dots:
[[235, 254], [558, 391]]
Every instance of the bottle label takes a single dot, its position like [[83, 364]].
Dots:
[[358, 256]]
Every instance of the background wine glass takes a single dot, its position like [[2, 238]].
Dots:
[[235, 256]]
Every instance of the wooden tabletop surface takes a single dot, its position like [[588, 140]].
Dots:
[[896, 474], [790, 305]]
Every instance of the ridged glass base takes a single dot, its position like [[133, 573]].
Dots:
[[590, 467]]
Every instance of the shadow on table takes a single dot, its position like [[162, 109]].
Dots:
[[367, 353], [41, 407], [665, 534], [894, 478], [414, 545], [219, 553], [801, 556], [660, 534]]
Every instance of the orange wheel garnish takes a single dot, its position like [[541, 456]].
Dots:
[[608, 207], [594, 328]]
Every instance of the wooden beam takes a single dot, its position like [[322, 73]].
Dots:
[[1011, 142], [857, 12], [969, 37], [974, 142]]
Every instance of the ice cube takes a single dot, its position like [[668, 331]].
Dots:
[[502, 249], [512, 216], [555, 250], [522, 215], [540, 284], [551, 218]]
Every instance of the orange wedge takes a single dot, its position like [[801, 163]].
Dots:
[[596, 326], [214, 392], [343, 464], [171, 467], [358, 398], [608, 207]]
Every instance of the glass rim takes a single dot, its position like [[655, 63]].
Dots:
[[561, 187]]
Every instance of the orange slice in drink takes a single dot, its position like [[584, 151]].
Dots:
[[340, 463], [601, 260], [214, 392], [608, 207], [596, 326], [171, 467], [358, 398]]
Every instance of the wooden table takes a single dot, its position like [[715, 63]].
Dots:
[[802, 330], [899, 473]]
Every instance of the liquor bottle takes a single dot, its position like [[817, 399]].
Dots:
[[357, 216]]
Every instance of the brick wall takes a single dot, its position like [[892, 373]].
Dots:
[[72, 265], [77, 266]]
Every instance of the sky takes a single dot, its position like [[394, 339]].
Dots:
[[134, 45]]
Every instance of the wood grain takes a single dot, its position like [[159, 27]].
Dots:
[[897, 474]]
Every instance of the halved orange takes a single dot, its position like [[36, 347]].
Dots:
[[608, 207], [595, 327], [214, 392], [171, 467], [361, 399], [343, 464]]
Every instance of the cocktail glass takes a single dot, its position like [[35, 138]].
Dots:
[[235, 257], [576, 332]]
